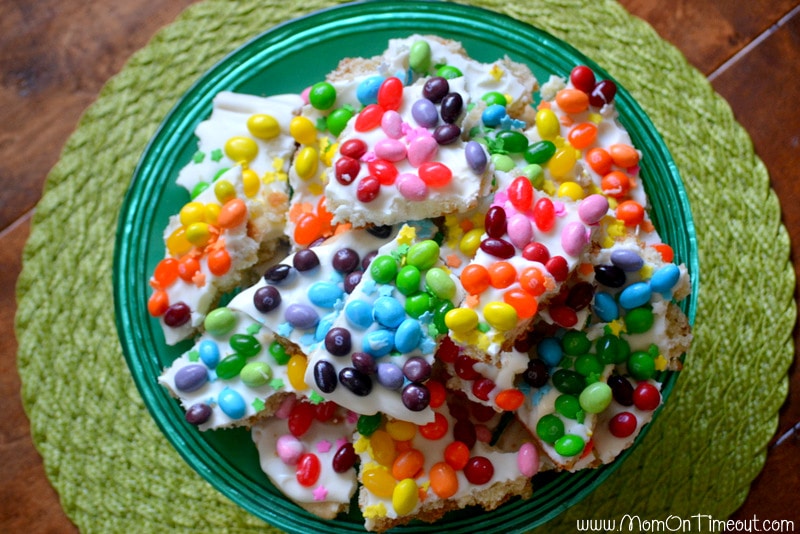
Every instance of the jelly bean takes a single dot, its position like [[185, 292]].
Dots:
[[383, 448], [296, 370], [198, 234], [479, 470], [509, 399], [448, 72], [435, 174], [437, 428], [443, 479], [415, 397], [357, 382], [532, 281], [423, 255], [191, 378], [363, 362], [220, 321], [612, 349], [646, 397], [412, 187], [231, 366], [435, 88], [605, 307], [263, 126], [405, 497], [379, 482], [623, 155], [461, 320], [513, 142], [232, 214], [599, 160], [456, 455], [500, 315], [177, 244], [218, 261], [595, 397], [256, 374], [589, 366], [641, 365], [344, 458], [367, 189], [623, 424], [278, 273], [408, 280], [464, 367], [445, 134], [451, 106], [392, 124], [401, 430], [558, 268], [570, 189], [367, 90], [470, 242], [389, 375], [523, 302], [540, 152], [493, 114], [603, 93], [421, 150], [379, 342], [424, 113], [520, 230], [550, 351], [439, 283], [580, 296], [383, 269], [407, 336], [325, 294], [419, 56], [494, 97], [572, 100], [536, 374], [495, 222], [440, 310], [369, 118], [367, 424], [166, 272], [502, 274], [322, 96], [613, 275], [301, 316], [384, 171], [574, 238], [305, 260], [563, 316], [232, 403], [198, 413], [241, 149], [475, 279], [547, 124], [615, 184], [593, 208], [575, 343], [498, 248], [528, 459], [630, 212], [416, 305], [353, 148], [209, 353], [278, 353], [582, 135], [388, 311], [665, 278], [562, 162], [568, 381], [390, 149], [569, 445], [198, 189], [390, 94], [192, 212], [289, 449], [666, 252], [481, 388], [475, 156], [621, 390], [245, 344], [325, 376], [345, 169], [569, 406], [544, 214], [582, 78], [358, 313], [635, 295], [408, 464], [337, 120], [303, 130], [627, 260], [536, 252], [503, 162], [520, 193], [308, 469]]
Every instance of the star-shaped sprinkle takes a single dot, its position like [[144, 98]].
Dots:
[[427, 345], [386, 290], [216, 154], [193, 356], [368, 287], [320, 493], [284, 330], [315, 398], [307, 339], [341, 442], [258, 405], [426, 317], [323, 446], [615, 327], [276, 383], [496, 72], [509, 123], [406, 235], [198, 157], [253, 329]]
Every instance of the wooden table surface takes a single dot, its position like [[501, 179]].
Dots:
[[55, 55]]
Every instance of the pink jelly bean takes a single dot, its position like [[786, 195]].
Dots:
[[289, 449], [574, 238], [305, 93], [390, 149], [422, 149], [519, 230], [593, 208], [528, 460], [392, 124], [412, 187], [285, 407]]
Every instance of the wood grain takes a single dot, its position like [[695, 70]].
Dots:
[[56, 55]]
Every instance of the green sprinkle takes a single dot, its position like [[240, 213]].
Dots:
[[216, 154], [198, 157]]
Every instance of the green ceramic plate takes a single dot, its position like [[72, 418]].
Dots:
[[288, 58]]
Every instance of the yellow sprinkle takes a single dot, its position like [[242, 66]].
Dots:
[[406, 235], [596, 118], [374, 511], [646, 272], [616, 327], [496, 72], [316, 189], [549, 188], [661, 363], [361, 445]]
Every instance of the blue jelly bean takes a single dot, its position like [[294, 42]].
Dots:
[[493, 114], [231, 403], [476, 156], [209, 353], [323, 326], [627, 260], [390, 375], [664, 279], [550, 351], [325, 294], [388, 312], [301, 316], [367, 91], [358, 314], [191, 377], [605, 307], [378, 342], [635, 295], [407, 336]]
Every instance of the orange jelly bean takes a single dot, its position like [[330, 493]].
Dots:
[[599, 160], [408, 464], [166, 272], [630, 212], [307, 229], [219, 262], [188, 266], [502, 274], [572, 100], [615, 184], [158, 303], [509, 399], [437, 391], [456, 455], [232, 214], [624, 156], [523, 302], [444, 481], [667, 254], [475, 279], [532, 281], [436, 429], [582, 135]]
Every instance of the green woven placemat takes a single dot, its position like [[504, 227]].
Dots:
[[114, 470]]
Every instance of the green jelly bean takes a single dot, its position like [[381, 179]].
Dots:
[[641, 365], [246, 345], [337, 120], [383, 269], [495, 97], [568, 406], [440, 309], [256, 374], [570, 445], [611, 349], [588, 365], [322, 95], [513, 142], [639, 320], [419, 57], [540, 152], [278, 352], [576, 343], [199, 188], [595, 397], [534, 174], [438, 282], [502, 162], [418, 304], [368, 424], [230, 366], [568, 381], [408, 279], [423, 255], [220, 321], [550, 428], [448, 72]]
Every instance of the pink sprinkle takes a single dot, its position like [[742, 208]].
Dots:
[[285, 408], [561, 209], [320, 493], [323, 446], [369, 156], [352, 417], [412, 134]]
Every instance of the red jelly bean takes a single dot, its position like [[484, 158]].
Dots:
[[308, 469], [582, 78], [481, 412], [437, 391], [465, 368], [520, 193], [622, 425], [447, 351], [544, 214], [536, 252], [495, 222], [390, 94], [558, 267], [369, 118], [464, 431], [383, 170], [479, 470], [563, 316], [603, 93], [346, 170], [482, 387], [345, 458], [435, 429], [324, 411], [353, 148], [435, 174], [580, 296], [646, 397], [498, 248], [300, 418], [367, 189]]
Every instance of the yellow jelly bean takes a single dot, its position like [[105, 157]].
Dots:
[[379, 482], [571, 190], [401, 430], [241, 149], [405, 496], [224, 191], [296, 371], [305, 163], [192, 212], [212, 213], [562, 162], [500, 315], [303, 130], [198, 234], [177, 244], [470, 242], [461, 320], [250, 182], [263, 126], [383, 449], [547, 124]]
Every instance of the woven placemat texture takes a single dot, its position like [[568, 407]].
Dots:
[[114, 470]]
